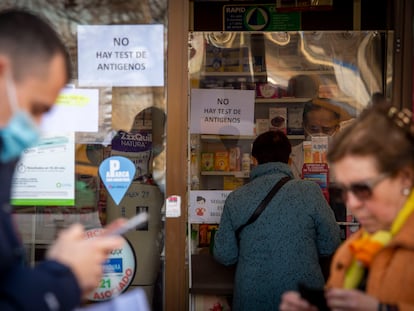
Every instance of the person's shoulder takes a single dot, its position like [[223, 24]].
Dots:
[[241, 191], [304, 184]]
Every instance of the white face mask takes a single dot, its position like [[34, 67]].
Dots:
[[20, 132], [309, 135]]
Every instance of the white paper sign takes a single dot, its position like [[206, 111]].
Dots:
[[222, 111], [45, 173], [173, 206], [76, 110], [121, 55], [206, 206]]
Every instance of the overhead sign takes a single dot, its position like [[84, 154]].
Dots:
[[118, 270], [255, 17], [222, 111], [121, 55], [44, 174]]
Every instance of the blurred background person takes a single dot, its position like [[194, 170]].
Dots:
[[373, 160], [321, 117], [284, 245]]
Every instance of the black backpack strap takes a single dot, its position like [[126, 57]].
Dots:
[[261, 207]]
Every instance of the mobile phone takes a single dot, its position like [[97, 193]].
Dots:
[[132, 223], [315, 296]]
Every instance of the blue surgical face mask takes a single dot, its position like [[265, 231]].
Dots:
[[20, 133]]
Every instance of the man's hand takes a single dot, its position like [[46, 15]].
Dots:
[[84, 256]]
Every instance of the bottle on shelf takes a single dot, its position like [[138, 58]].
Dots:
[[194, 162], [246, 163]]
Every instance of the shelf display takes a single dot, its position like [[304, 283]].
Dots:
[[310, 67], [310, 87]]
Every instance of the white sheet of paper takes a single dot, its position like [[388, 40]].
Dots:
[[222, 111], [121, 55], [76, 110]]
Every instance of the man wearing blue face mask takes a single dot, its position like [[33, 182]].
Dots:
[[34, 66]]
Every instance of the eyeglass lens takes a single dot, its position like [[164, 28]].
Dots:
[[361, 190]]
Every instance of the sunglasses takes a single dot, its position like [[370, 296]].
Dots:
[[362, 190]]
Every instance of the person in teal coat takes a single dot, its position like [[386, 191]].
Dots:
[[282, 248]]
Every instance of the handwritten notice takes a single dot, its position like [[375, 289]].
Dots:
[[222, 111], [207, 206], [121, 55]]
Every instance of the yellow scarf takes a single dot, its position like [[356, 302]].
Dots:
[[368, 245]]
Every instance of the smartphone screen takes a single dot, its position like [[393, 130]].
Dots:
[[315, 296]]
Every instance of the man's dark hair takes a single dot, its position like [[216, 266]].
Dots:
[[200, 198], [29, 42], [272, 146]]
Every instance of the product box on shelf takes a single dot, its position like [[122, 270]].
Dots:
[[226, 59], [232, 182], [294, 120], [204, 234], [319, 173], [213, 64], [207, 161], [221, 161], [234, 159], [232, 59], [307, 151], [213, 59], [319, 149], [277, 118], [262, 126]]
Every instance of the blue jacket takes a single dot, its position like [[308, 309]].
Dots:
[[49, 286], [282, 247]]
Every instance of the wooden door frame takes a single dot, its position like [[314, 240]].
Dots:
[[402, 82], [176, 276]]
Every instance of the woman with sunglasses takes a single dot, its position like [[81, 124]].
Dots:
[[373, 160]]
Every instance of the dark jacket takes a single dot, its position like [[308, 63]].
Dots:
[[49, 286]]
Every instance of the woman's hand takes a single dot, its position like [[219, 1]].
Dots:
[[292, 301], [350, 299]]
